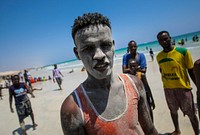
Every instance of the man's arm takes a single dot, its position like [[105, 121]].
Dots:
[[71, 120], [148, 91], [11, 100], [189, 65], [143, 70], [197, 78], [53, 75], [125, 69], [143, 112], [61, 73], [142, 63], [191, 73], [196, 71], [29, 90]]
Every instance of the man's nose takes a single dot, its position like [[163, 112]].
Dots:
[[99, 54]]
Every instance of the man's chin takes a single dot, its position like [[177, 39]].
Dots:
[[102, 75]]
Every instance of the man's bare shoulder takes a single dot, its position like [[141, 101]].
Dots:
[[70, 115], [69, 104], [197, 62]]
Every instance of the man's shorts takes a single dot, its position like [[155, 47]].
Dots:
[[180, 98], [59, 80], [23, 109]]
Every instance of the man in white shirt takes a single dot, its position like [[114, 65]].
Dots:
[[57, 75]]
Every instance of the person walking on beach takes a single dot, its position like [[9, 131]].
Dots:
[[105, 103], [151, 54], [57, 76], [174, 62], [22, 103], [197, 79], [27, 76], [140, 59], [1, 87]]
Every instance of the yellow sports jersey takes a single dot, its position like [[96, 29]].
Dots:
[[173, 67]]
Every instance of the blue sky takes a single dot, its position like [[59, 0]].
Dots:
[[36, 33]]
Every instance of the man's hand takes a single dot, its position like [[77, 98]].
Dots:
[[33, 96], [11, 110], [153, 105]]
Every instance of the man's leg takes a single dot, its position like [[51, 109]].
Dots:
[[59, 82], [29, 111], [1, 93], [173, 106], [194, 122], [33, 120], [30, 85], [189, 110], [22, 125], [174, 116]]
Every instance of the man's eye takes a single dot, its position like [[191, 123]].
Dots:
[[88, 49], [106, 46]]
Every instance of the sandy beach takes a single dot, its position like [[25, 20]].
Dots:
[[47, 102]]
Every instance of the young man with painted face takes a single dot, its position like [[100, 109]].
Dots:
[[105, 103], [174, 63], [23, 105]]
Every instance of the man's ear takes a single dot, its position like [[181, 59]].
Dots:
[[114, 42], [76, 53]]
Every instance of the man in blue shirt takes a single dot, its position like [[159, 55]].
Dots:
[[140, 60], [133, 54]]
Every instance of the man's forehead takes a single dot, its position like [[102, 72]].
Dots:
[[16, 77], [164, 35], [132, 44], [93, 28], [90, 33]]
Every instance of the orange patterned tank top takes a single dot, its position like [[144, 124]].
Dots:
[[125, 124]]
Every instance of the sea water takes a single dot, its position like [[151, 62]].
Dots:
[[143, 48]]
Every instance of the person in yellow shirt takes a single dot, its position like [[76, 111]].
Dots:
[[175, 63]]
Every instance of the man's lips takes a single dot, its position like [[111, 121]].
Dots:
[[101, 67]]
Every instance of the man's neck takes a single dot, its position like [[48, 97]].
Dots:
[[105, 83], [133, 55], [168, 49], [16, 85]]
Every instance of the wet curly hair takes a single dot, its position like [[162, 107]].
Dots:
[[89, 19]]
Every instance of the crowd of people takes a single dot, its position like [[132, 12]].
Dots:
[[107, 103], [99, 104], [19, 85]]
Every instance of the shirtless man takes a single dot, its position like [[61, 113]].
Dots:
[[197, 77], [105, 103]]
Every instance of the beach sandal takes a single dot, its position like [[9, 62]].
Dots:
[[174, 133]]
